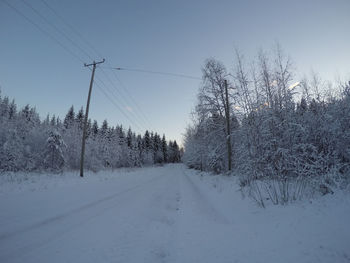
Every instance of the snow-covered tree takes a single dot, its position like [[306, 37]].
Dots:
[[69, 119], [54, 152], [277, 131], [164, 149]]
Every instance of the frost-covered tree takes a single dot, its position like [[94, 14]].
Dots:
[[164, 149], [69, 119], [147, 154], [174, 152], [80, 118], [157, 149], [54, 152], [281, 130], [29, 144], [12, 152], [129, 138]]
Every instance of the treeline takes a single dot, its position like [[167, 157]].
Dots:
[[279, 129], [29, 144]]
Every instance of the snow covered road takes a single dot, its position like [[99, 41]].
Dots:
[[165, 214]]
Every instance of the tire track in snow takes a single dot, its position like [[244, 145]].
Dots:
[[162, 223], [56, 218], [202, 204], [32, 247]]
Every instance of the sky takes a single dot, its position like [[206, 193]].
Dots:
[[44, 67]]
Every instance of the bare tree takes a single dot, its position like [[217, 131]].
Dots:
[[283, 77], [242, 83]]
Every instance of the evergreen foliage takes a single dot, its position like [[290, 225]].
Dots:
[[29, 144]]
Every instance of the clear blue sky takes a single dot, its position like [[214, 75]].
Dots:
[[171, 36]]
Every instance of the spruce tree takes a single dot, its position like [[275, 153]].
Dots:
[[69, 119], [54, 155], [104, 128], [147, 141], [94, 128], [53, 121], [176, 152], [129, 138], [12, 110], [80, 118], [164, 149]]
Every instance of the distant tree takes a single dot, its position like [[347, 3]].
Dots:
[[164, 147], [158, 156], [104, 128], [121, 135], [11, 153], [69, 119], [54, 152], [94, 128], [46, 122], [24, 147], [129, 138], [72, 136], [147, 141], [80, 118], [4, 107], [147, 154], [53, 121], [174, 152], [12, 110]]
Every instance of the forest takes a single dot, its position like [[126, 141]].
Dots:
[[287, 137], [28, 143]]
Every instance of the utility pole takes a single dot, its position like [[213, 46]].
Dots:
[[228, 128], [87, 114]]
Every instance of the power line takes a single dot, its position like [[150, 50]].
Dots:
[[113, 102], [116, 105], [58, 42], [71, 28], [158, 72], [111, 94], [125, 89], [116, 90], [146, 71], [142, 116], [105, 92], [57, 29], [43, 31], [97, 53], [101, 82]]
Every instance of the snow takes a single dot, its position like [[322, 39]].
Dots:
[[162, 214]]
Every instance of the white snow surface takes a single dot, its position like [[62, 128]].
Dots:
[[162, 214]]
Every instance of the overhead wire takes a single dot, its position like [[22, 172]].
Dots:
[[140, 116], [158, 73], [127, 96], [116, 104], [52, 37], [106, 91], [56, 28], [140, 113], [84, 40], [110, 91], [133, 100], [147, 71], [43, 31], [151, 72]]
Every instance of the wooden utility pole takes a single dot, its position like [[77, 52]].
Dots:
[[228, 128], [86, 115]]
